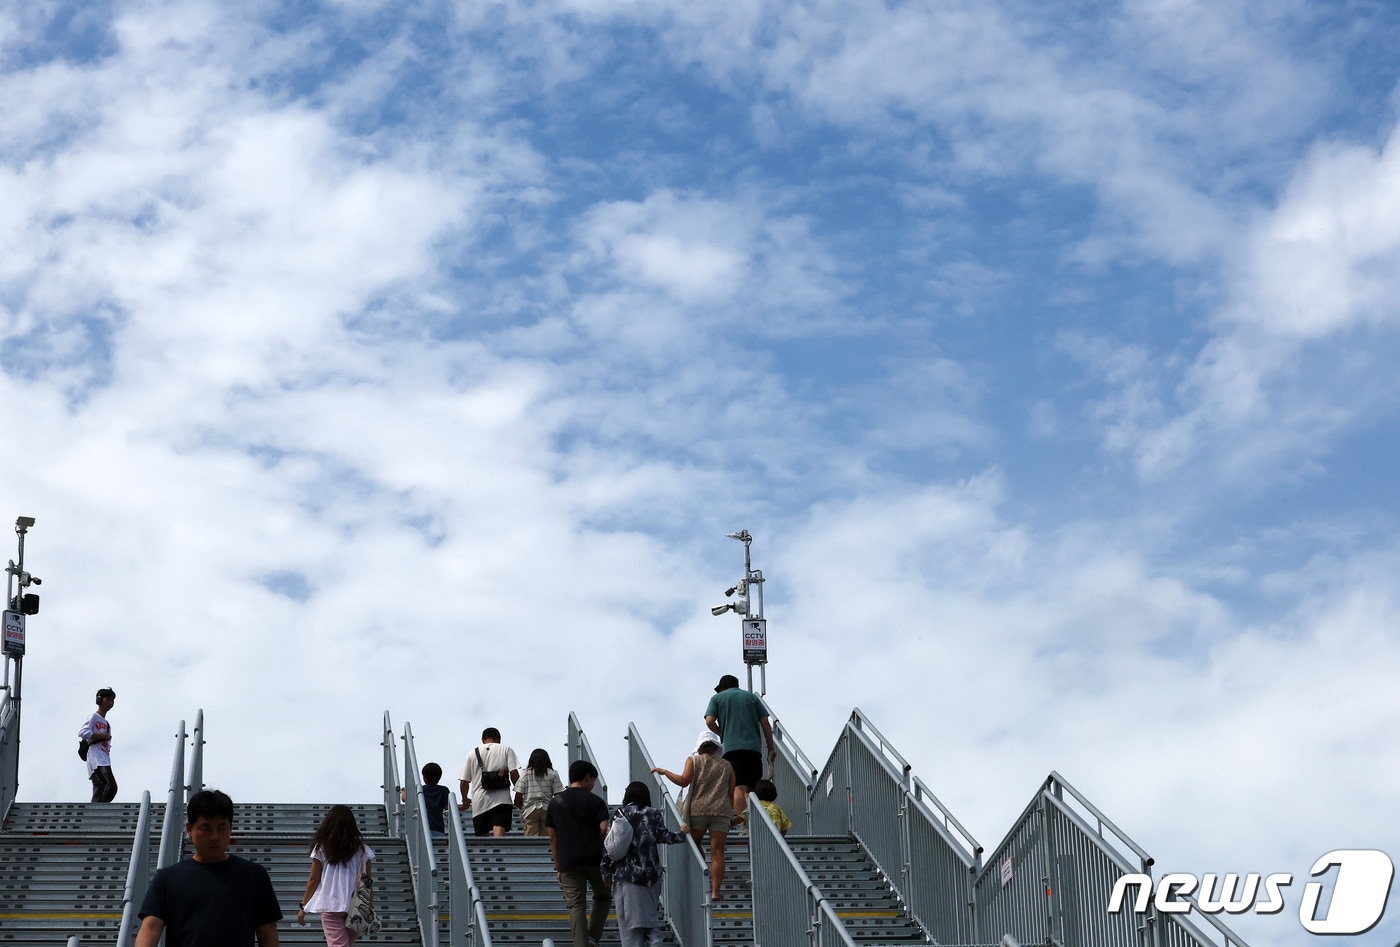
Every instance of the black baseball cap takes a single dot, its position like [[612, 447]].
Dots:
[[727, 682]]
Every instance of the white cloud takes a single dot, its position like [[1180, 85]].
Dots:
[[494, 485]]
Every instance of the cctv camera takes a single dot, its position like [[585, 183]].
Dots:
[[720, 609], [24, 522]]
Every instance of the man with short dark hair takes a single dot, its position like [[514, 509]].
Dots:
[[486, 780], [576, 822], [214, 899], [741, 720], [96, 732]]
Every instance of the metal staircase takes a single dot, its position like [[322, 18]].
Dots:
[[63, 868]]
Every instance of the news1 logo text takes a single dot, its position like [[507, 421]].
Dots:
[[1358, 893]]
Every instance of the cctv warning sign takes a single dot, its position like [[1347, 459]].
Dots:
[[14, 633], [755, 641]]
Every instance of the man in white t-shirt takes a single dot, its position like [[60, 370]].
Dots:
[[98, 734], [490, 763]]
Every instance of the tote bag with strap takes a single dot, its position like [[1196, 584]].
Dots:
[[360, 916]]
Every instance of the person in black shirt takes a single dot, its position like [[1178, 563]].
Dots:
[[576, 821], [214, 899], [435, 796]]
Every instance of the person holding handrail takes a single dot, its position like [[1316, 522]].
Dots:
[[709, 807]]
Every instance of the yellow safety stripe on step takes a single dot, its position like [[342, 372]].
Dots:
[[867, 914], [564, 915], [82, 916]]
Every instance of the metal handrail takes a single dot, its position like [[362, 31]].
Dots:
[[421, 857], [171, 834], [466, 921], [916, 792], [1231, 938], [792, 773], [862, 723], [927, 862], [1056, 785], [137, 874], [675, 892], [921, 796], [393, 806], [581, 749], [789, 747], [823, 926], [196, 781], [831, 932]]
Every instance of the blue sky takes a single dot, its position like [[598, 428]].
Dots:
[[374, 355]]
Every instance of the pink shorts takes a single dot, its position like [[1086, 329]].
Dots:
[[337, 934]]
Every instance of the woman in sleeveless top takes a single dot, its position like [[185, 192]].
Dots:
[[339, 856], [709, 809]]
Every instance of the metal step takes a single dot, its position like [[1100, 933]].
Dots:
[[844, 873], [63, 869], [521, 892]]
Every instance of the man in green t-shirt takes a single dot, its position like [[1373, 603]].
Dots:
[[741, 720]]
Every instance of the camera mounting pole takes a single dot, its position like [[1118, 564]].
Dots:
[[749, 606], [18, 604]]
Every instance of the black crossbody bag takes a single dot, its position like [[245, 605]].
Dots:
[[491, 781]]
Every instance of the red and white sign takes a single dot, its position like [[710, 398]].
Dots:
[[755, 641], [14, 632]]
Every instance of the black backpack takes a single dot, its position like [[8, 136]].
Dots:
[[82, 750]]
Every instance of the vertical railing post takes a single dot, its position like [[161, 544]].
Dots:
[[393, 806], [196, 780]]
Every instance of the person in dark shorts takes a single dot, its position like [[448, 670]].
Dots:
[[741, 720], [213, 899], [492, 807], [577, 820]]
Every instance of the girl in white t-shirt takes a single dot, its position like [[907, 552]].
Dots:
[[338, 856]]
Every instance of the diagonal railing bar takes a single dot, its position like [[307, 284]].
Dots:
[[138, 874], [867, 789], [172, 825], [793, 775], [581, 749], [466, 921], [393, 804], [788, 909], [685, 885], [1051, 878], [422, 860]]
